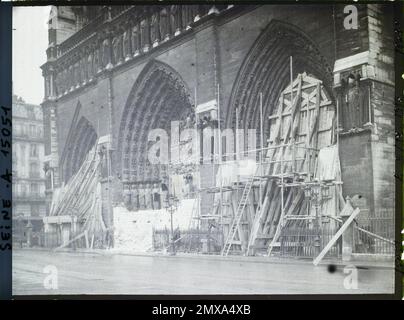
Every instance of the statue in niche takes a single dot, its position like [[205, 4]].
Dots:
[[83, 68], [127, 193], [90, 66], [197, 12], [70, 77], [148, 196], [105, 53], [115, 49], [120, 47], [142, 197], [188, 122], [188, 188], [144, 35], [63, 82], [47, 86], [135, 40], [186, 16], [135, 197], [354, 103], [73, 76], [77, 73], [103, 154], [176, 18], [86, 67], [48, 176], [126, 45], [96, 61], [57, 83], [164, 24], [154, 29], [81, 71], [156, 197]]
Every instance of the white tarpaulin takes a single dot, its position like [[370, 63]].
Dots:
[[228, 171]]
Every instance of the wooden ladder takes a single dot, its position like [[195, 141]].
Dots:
[[193, 222], [237, 217]]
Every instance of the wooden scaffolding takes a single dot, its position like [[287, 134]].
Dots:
[[296, 180]]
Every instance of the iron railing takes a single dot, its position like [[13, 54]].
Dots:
[[374, 234], [192, 240], [307, 242]]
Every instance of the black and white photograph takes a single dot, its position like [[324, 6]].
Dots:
[[203, 149]]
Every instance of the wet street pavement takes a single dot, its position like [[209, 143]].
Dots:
[[83, 273]]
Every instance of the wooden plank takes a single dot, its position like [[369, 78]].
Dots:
[[92, 241], [292, 207], [336, 236], [70, 241]]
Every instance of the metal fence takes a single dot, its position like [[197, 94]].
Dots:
[[193, 240], [307, 242], [96, 240], [50, 239], [374, 234]]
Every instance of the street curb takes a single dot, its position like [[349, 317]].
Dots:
[[238, 259]]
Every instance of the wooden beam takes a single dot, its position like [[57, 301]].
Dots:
[[70, 241], [336, 236]]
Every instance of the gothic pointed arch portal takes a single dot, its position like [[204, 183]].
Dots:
[[266, 70], [79, 144], [158, 97]]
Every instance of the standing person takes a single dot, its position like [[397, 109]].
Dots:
[[148, 196], [142, 198], [127, 197], [164, 189], [135, 197], [156, 197]]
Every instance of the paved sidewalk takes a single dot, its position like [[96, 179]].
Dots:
[[101, 272], [363, 262]]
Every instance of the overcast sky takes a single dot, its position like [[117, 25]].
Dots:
[[30, 40]]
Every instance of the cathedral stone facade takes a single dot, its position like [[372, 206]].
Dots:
[[113, 73]]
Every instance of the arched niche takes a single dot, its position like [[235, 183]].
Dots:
[[81, 139], [158, 97], [266, 69]]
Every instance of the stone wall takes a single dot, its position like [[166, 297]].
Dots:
[[368, 155], [211, 54]]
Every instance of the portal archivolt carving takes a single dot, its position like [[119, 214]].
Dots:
[[266, 69], [81, 141], [158, 97]]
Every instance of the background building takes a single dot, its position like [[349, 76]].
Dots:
[[28, 174]]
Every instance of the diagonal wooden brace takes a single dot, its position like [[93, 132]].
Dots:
[[334, 239]]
